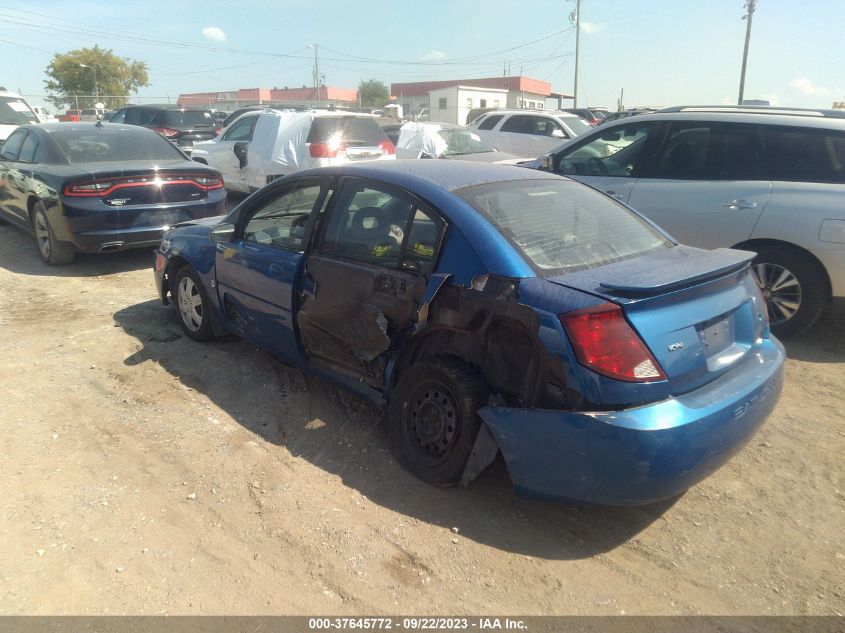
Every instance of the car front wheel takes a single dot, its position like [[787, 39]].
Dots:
[[793, 288], [433, 418], [193, 305]]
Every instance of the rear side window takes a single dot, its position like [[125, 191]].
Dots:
[[30, 145], [806, 155], [709, 151], [562, 226], [12, 145], [351, 131], [490, 122]]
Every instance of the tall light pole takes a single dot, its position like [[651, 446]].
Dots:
[[316, 73], [575, 17], [96, 91], [750, 6]]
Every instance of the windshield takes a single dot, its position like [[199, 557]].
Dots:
[[577, 125], [462, 141], [562, 226], [189, 118], [15, 111], [97, 145]]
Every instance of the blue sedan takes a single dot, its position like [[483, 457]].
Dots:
[[493, 309]]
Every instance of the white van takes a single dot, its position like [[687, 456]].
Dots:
[[260, 146], [14, 111]]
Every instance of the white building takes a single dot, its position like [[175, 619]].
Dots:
[[453, 103]]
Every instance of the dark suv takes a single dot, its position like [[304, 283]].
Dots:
[[182, 126]]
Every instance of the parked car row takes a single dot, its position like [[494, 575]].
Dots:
[[488, 308]]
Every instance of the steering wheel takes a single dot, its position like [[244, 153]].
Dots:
[[594, 164]]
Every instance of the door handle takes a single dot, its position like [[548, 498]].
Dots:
[[735, 205], [250, 247], [613, 194]]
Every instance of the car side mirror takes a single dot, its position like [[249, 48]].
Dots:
[[223, 232], [240, 151], [548, 162], [557, 133]]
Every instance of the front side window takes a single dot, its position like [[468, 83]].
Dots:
[[12, 146], [611, 153], [118, 117], [806, 155], [562, 226], [281, 222], [241, 130], [384, 227], [709, 151]]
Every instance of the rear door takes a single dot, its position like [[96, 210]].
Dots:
[[12, 182], [257, 269], [363, 285], [610, 159], [707, 185]]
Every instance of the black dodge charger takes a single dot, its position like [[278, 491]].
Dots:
[[89, 187]]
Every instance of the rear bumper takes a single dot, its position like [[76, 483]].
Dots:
[[640, 455]]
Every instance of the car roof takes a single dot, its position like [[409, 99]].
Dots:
[[448, 175], [57, 126], [802, 119], [165, 106]]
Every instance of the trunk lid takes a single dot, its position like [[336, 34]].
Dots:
[[699, 312], [132, 186]]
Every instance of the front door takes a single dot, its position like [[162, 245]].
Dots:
[[363, 285], [257, 270], [222, 152], [707, 185]]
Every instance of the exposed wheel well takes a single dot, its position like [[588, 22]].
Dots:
[[200, 160], [30, 206], [173, 266], [753, 245]]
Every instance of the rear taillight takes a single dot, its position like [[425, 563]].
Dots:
[[387, 147], [166, 131], [87, 189], [326, 150], [207, 182], [605, 342]]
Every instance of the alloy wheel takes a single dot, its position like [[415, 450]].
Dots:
[[42, 235], [781, 291], [190, 304]]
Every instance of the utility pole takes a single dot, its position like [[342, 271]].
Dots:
[[316, 74], [576, 14], [750, 6]]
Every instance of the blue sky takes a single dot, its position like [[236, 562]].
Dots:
[[661, 52]]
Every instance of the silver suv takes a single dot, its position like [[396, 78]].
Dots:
[[528, 133], [769, 180]]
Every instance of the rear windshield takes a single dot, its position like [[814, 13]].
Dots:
[[189, 118], [14, 111], [352, 131], [562, 226], [97, 145]]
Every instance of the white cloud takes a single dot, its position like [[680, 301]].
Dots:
[[590, 27], [728, 101], [214, 33], [433, 56], [804, 86]]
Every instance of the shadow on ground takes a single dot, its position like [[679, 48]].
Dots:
[[824, 342], [20, 255], [343, 436]]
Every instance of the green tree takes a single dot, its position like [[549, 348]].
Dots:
[[72, 73], [374, 93]]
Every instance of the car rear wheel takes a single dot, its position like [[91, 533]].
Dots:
[[433, 418], [793, 288], [51, 251], [193, 305]]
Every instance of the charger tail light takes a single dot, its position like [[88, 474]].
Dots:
[[101, 189], [387, 147], [166, 131], [605, 342]]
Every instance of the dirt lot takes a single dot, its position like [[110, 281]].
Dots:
[[145, 473]]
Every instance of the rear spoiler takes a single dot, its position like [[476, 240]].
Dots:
[[699, 266]]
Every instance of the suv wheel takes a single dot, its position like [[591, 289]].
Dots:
[[793, 288]]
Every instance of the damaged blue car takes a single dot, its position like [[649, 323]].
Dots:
[[493, 309]]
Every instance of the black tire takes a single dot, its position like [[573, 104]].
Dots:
[[192, 304], [804, 286], [433, 420], [51, 251]]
